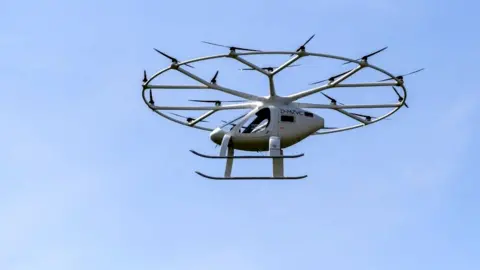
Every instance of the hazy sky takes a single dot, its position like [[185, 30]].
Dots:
[[91, 179]]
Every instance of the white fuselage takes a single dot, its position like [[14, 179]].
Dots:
[[253, 131]]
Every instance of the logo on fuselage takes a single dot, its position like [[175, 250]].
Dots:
[[291, 111]]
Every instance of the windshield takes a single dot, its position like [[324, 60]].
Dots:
[[258, 123]]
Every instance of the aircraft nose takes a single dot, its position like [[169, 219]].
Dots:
[[217, 135], [320, 122]]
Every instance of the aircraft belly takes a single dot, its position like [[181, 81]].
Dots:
[[259, 143], [290, 137]]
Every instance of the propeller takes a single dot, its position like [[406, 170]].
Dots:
[[365, 57], [231, 122], [302, 48], [401, 76], [189, 119], [269, 68], [367, 117], [400, 98], [144, 76], [331, 79], [232, 48], [217, 102], [334, 101], [214, 79], [174, 60], [151, 99]]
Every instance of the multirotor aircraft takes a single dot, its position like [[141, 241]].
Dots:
[[274, 122]]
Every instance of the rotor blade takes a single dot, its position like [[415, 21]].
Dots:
[[362, 115], [332, 78], [400, 98], [214, 101], [308, 40], [398, 94], [215, 44], [269, 68], [317, 82], [178, 115], [368, 117], [214, 79], [151, 98], [231, 47], [418, 70], [368, 55], [166, 55], [304, 44], [375, 52], [245, 49], [207, 101], [233, 120], [341, 74], [231, 124], [401, 76], [189, 119], [171, 58], [295, 65], [330, 98]]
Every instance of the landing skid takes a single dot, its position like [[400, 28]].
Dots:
[[275, 154], [252, 178], [235, 157]]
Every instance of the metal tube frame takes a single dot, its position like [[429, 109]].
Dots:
[[255, 101]]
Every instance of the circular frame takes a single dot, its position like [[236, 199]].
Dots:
[[298, 55]]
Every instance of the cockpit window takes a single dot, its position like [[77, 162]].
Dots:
[[308, 114], [287, 118], [259, 123]]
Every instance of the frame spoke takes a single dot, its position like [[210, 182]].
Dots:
[[152, 86], [315, 90], [250, 64], [347, 75], [353, 106], [272, 86], [206, 108], [286, 64], [203, 116], [352, 116], [373, 84], [220, 88], [252, 101]]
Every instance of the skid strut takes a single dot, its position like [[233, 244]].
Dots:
[[275, 153]]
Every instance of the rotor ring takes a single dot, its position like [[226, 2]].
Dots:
[[300, 53]]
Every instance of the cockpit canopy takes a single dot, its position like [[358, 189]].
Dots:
[[257, 122]]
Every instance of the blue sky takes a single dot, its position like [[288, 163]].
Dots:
[[91, 179]]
